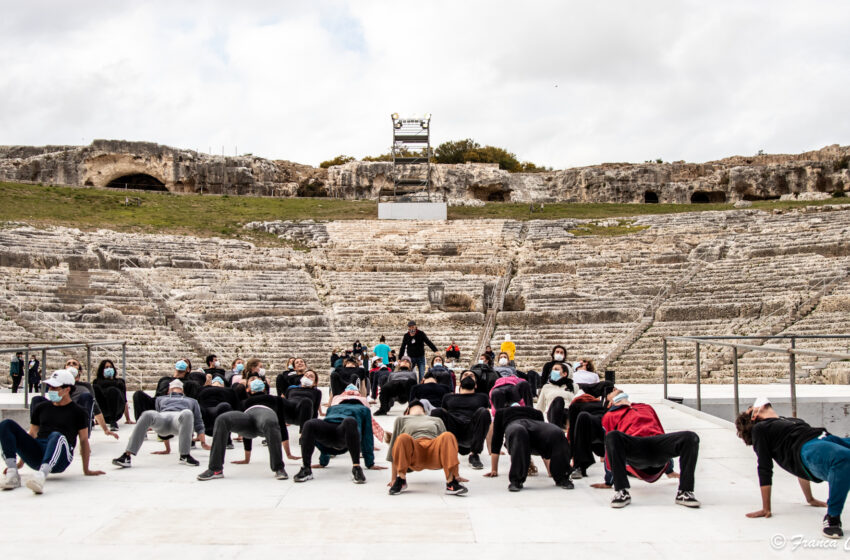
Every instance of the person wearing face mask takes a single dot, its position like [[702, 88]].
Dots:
[[503, 367], [508, 389], [635, 444], [559, 356], [413, 346], [484, 374], [213, 367], [522, 430], [16, 370], [143, 402], [347, 427], [555, 395], [429, 390], [84, 397], [48, 447], [291, 377], [307, 389], [235, 373], [397, 388], [110, 392], [585, 373], [508, 347], [175, 415], [33, 374], [260, 417], [811, 454], [349, 374], [453, 352], [466, 415], [441, 372]]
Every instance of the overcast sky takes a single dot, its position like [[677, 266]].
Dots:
[[558, 83]]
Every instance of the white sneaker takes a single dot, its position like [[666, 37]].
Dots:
[[12, 480], [36, 483]]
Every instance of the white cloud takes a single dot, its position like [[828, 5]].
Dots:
[[561, 84]]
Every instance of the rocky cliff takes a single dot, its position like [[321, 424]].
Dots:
[[145, 165]]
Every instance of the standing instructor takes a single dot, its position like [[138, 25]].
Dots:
[[413, 344]]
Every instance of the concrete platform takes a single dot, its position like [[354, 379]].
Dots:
[[157, 509], [412, 211]]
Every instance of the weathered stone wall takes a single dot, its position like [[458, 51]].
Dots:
[[731, 179], [179, 170]]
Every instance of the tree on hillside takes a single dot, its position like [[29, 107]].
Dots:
[[468, 150]]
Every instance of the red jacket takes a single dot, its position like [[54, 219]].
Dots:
[[638, 420]]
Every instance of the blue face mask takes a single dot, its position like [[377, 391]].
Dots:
[[109, 372], [257, 386], [555, 375], [239, 368], [351, 388], [620, 397], [53, 396], [515, 404], [218, 380]]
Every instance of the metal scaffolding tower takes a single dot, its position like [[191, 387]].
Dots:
[[411, 150]]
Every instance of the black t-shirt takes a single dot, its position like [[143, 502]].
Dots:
[[463, 405], [310, 393], [67, 419], [211, 396], [781, 439], [432, 392]]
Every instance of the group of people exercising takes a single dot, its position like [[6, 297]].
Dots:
[[569, 420]]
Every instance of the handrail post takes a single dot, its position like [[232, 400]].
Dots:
[[43, 369], [664, 352], [792, 364], [699, 392], [735, 377], [124, 362], [25, 379], [88, 363]]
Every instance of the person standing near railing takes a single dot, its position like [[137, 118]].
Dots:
[[33, 374], [16, 370]]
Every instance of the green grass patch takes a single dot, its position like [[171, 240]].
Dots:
[[224, 216], [622, 227]]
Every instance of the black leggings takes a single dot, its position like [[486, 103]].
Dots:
[[557, 413], [338, 437], [588, 440], [470, 434], [142, 402], [396, 389], [503, 396], [525, 437], [111, 401], [652, 453], [210, 413], [296, 411]]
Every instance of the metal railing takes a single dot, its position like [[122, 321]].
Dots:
[[792, 351], [43, 347]]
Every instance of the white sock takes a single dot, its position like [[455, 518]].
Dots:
[[11, 464], [45, 469]]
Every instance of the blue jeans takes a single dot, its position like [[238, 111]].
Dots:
[[829, 459], [53, 450], [420, 364]]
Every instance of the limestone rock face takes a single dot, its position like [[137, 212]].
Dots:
[[105, 161], [761, 177]]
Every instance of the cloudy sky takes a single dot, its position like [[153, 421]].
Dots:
[[559, 83]]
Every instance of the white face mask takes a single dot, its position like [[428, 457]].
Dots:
[[480, 361], [503, 361], [216, 363], [559, 357], [262, 372]]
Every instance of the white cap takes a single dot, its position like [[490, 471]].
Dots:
[[507, 338], [175, 384], [760, 402], [60, 377]]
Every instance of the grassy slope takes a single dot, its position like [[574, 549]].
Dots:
[[214, 215]]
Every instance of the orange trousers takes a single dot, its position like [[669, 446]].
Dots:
[[426, 454]]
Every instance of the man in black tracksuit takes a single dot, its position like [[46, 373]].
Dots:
[[524, 433], [467, 416], [413, 344]]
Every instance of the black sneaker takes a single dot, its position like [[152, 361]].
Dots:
[[832, 527], [280, 474], [455, 488], [576, 474], [514, 487], [399, 486], [621, 499], [123, 461], [566, 484], [475, 461], [357, 475], [210, 474], [265, 443], [189, 460], [380, 412], [113, 427], [687, 499], [230, 445], [303, 475]]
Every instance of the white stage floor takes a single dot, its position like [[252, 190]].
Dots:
[[157, 509]]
